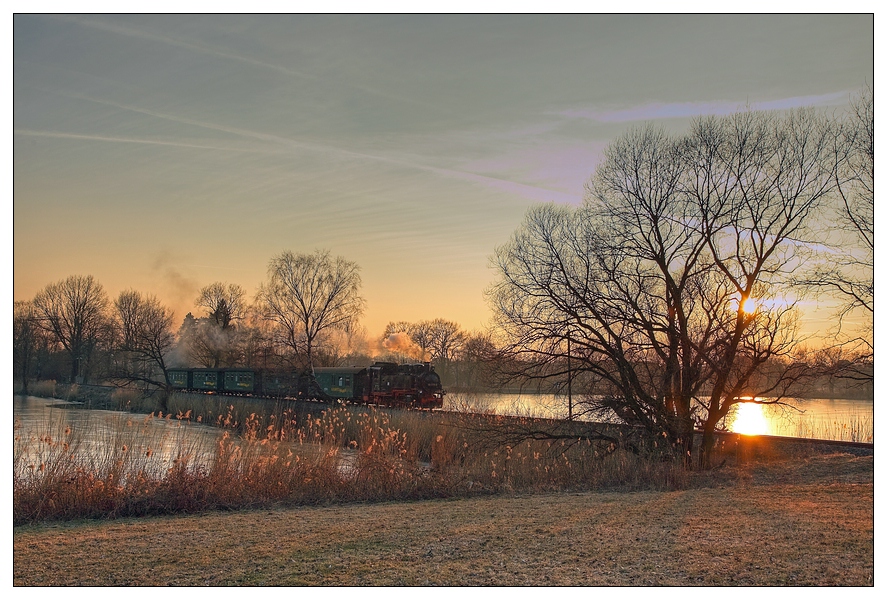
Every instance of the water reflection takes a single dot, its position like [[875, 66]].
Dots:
[[155, 444], [48, 431], [544, 406], [749, 419], [829, 419], [819, 418], [47, 427]]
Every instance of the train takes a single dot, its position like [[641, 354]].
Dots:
[[382, 383]]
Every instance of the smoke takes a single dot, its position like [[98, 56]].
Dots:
[[402, 343], [179, 289]]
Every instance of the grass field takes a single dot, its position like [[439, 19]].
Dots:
[[806, 521]]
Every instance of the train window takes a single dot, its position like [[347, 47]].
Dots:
[[341, 382]]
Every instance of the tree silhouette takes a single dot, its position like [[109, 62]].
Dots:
[[146, 339], [307, 294], [74, 311], [652, 279]]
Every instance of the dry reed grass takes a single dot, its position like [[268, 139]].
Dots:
[[853, 429], [343, 454], [45, 388]]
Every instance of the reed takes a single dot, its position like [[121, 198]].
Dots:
[[850, 429], [294, 457], [45, 388]]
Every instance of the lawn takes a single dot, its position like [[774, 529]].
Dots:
[[800, 522]]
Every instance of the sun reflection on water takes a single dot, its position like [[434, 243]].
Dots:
[[750, 419]]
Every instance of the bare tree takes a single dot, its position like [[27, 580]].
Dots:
[[224, 303], [848, 270], [308, 294], [650, 283], [214, 340], [257, 338], [341, 347], [475, 358], [436, 340], [210, 346], [756, 179], [446, 339], [146, 339], [856, 187], [25, 340], [74, 311]]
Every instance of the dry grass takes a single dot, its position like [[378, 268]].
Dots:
[[802, 522], [291, 458], [45, 388]]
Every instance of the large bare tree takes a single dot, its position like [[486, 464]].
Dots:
[[224, 303], [847, 272], [309, 294], [146, 338], [75, 311], [446, 339], [25, 341], [668, 284]]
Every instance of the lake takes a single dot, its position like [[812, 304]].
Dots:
[[48, 423], [167, 439], [820, 418]]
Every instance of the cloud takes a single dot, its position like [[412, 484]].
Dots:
[[139, 34]]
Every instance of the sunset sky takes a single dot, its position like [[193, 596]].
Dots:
[[164, 153]]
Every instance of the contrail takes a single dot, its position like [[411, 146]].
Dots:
[[106, 138], [128, 31], [515, 187]]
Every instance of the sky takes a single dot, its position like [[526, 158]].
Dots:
[[163, 153]]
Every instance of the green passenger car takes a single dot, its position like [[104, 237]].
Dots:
[[279, 384], [178, 378], [207, 379], [342, 382], [240, 380]]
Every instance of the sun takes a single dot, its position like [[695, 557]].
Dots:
[[750, 419], [748, 306]]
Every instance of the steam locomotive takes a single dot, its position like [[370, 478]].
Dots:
[[382, 383]]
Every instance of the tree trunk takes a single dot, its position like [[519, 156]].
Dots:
[[163, 400], [708, 444], [687, 439]]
